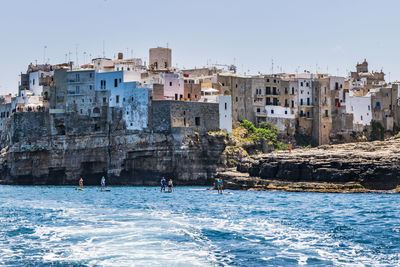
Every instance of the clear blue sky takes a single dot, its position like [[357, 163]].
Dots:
[[295, 34]]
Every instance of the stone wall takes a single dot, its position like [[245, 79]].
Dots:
[[201, 117]]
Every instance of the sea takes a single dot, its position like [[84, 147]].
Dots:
[[192, 226]]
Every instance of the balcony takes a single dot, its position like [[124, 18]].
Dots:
[[261, 113], [76, 81]]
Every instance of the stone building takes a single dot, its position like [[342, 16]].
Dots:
[[240, 89], [192, 91], [160, 58], [80, 91], [322, 124], [384, 103], [197, 116]]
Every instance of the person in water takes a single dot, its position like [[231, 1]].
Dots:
[[81, 183], [219, 185], [170, 184], [103, 182], [163, 182]]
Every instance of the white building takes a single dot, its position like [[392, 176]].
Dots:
[[360, 107], [37, 79]]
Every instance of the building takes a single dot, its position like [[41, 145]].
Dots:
[[160, 58]]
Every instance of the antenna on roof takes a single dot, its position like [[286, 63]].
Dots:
[[44, 54], [76, 53], [104, 53], [272, 66]]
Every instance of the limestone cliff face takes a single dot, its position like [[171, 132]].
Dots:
[[359, 166], [42, 153]]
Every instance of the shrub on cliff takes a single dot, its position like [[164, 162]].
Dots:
[[266, 132], [378, 132]]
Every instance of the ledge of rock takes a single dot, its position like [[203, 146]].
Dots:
[[352, 167]]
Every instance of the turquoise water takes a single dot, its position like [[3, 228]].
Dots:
[[139, 226]]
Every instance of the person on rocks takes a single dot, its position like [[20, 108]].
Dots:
[[219, 185], [170, 185], [163, 183]]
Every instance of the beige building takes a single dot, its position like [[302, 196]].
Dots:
[[160, 58]]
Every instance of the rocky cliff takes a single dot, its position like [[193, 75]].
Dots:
[[45, 150], [353, 167]]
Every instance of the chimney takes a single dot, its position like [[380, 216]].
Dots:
[[120, 55]]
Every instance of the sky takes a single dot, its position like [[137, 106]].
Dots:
[[292, 35]]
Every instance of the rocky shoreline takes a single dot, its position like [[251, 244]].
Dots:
[[353, 168]]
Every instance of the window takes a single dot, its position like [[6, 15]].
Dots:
[[301, 84], [90, 87], [104, 100], [77, 77], [189, 96], [326, 113], [274, 81], [83, 100], [197, 121], [286, 90], [119, 80], [272, 111], [308, 101], [274, 92], [301, 102], [170, 83], [115, 82], [292, 104], [361, 117], [267, 90], [91, 75], [223, 84], [81, 111], [236, 85], [180, 96], [166, 64], [33, 81], [285, 111], [267, 80], [176, 96], [336, 86], [324, 90], [308, 114], [77, 89], [123, 99], [226, 106], [286, 103], [117, 99], [292, 90], [369, 107], [258, 110], [268, 101], [307, 84], [236, 99]]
